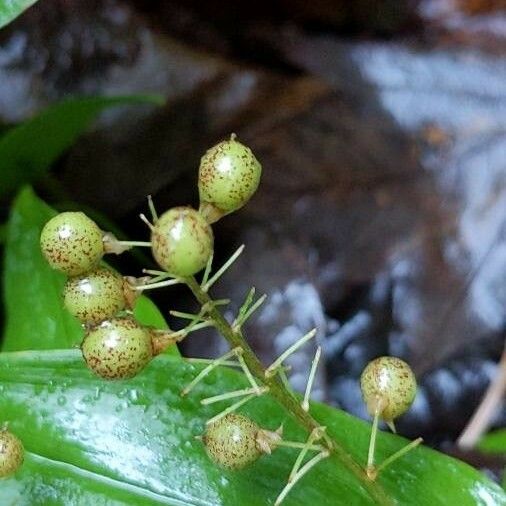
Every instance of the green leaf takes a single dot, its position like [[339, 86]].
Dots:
[[29, 149], [494, 442], [35, 316], [133, 443], [11, 9]]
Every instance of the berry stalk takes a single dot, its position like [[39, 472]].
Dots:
[[279, 392]]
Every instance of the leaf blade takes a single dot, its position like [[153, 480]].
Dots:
[[28, 150], [11, 9], [141, 432], [494, 442]]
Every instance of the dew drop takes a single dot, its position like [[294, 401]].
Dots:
[[87, 399], [123, 393], [209, 379], [120, 407]]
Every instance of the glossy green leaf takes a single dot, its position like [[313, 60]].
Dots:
[[29, 149], [133, 443], [35, 317], [11, 9]]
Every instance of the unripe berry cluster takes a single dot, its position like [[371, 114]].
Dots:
[[73, 244], [115, 345], [388, 388]]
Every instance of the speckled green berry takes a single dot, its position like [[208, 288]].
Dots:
[[11, 453], [95, 296], [182, 241], [118, 348], [72, 243], [388, 384], [231, 441], [229, 175]]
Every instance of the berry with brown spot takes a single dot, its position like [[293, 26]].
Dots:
[[388, 385], [231, 441], [95, 296], [182, 241], [11, 453], [118, 348], [72, 243], [229, 175]]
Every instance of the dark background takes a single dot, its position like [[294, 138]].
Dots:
[[381, 129]]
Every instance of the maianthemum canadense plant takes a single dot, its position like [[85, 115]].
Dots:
[[116, 346], [129, 354], [143, 428]]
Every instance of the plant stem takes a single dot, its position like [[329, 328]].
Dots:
[[279, 392], [299, 445], [372, 442], [399, 454], [159, 284], [273, 368], [310, 381], [143, 244], [231, 408], [300, 473], [230, 395]]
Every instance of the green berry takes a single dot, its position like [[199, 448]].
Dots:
[[11, 453], [231, 441], [95, 296], [229, 175], [388, 384], [182, 241], [72, 243], [118, 348]]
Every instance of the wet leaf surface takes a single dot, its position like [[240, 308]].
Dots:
[[133, 442]]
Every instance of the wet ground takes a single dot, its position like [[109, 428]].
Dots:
[[381, 217]]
